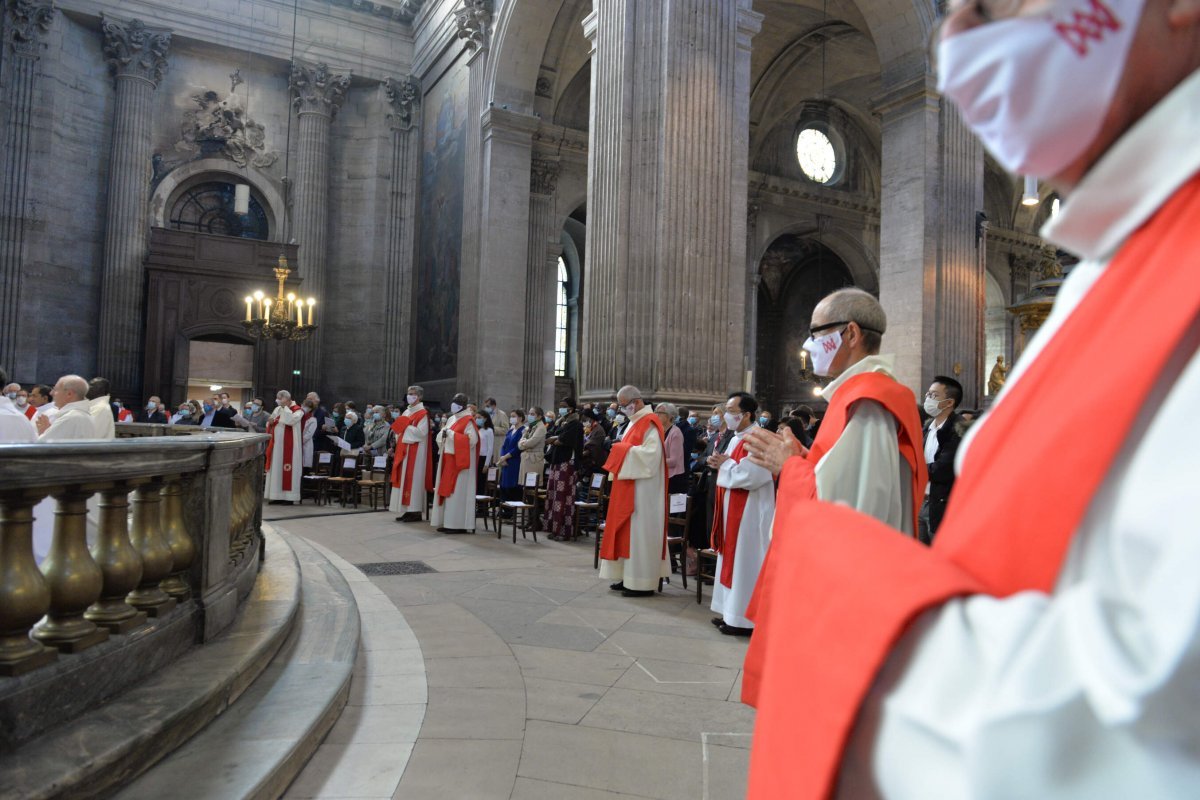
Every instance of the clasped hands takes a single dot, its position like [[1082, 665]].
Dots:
[[771, 450]]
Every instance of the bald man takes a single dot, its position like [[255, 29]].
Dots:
[[73, 419]]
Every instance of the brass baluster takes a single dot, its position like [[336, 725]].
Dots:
[[119, 563], [147, 539], [24, 595], [73, 577], [183, 550]]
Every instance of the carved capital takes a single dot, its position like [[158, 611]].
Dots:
[[543, 176], [134, 50], [404, 101], [474, 18], [28, 23], [316, 90]]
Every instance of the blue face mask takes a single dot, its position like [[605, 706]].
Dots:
[[207, 408], [612, 412], [478, 423], [763, 421], [692, 420], [715, 421], [562, 411]]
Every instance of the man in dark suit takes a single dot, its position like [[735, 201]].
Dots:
[[943, 432], [686, 424]]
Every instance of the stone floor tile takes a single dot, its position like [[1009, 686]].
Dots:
[[666, 715], [357, 770], [560, 701], [726, 769], [377, 724], [455, 769], [602, 619], [474, 714], [526, 789], [377, 663], [611, 760], [719, 652], [474, 672], [600, 669], [679, 677], [386, 690]]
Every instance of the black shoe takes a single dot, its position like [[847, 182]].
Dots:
[[619, 586], [733, 630], [455, 530], [442, 530], [411, 516], [637, 592], [717, 621]]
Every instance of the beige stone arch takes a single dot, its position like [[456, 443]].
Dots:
[[218, 169], [859, 259]]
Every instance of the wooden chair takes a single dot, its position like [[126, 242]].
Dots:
[[704, 558], [524, 511], [344, 482], [677, 528], [316, 483], [486, 502], [374, 480], [590, 510]]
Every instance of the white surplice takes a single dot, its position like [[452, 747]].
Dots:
[[1089, 692], [754, 534], [457, 511], [15, 427], [281, 460], [646, 466], [102, 418], [864, 469], [415, 434], [72, 422]]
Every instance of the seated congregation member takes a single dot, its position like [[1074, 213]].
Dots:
[[943, 433], [412, 461], [105, 412], [595, 447], [744, 510], [510, 457], [565, 451], [352, 433], [15, 427], [151, 413], [533, 445], [285, 450], [458, 441], [633, 548]]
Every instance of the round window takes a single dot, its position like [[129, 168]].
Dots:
[[817, 156]]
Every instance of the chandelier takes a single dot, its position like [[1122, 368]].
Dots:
[[284, 317]]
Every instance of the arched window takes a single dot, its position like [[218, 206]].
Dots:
[[208, 208], [560, 322]]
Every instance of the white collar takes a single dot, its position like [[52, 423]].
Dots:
[[884, 363], [79, 405], [1134, 178]]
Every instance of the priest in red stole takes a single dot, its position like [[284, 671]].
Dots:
[[1048, 644], [745, 508], [454, 497], [633, 549], [285, 450], [412, 462]]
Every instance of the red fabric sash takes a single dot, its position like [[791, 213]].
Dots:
[[405, 457], [124, 415], [614, 544], [725, 541], [288, 448], [30, 412], [1003, 532], [462, 458]]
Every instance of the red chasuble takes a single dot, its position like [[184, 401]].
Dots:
[[615, 542], [724, 537], [462, 458], [845, 587], [405, 457], [289, 450]]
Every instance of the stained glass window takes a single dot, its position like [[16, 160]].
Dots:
[[816, 155], [560, 322], [208, 208]]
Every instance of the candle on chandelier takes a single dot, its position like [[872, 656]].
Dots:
[[259, 297], [311, 302], [248, 300], [267, 309]]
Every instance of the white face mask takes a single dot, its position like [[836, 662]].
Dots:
[[620, 420], [21, 401], [732, 421], [933, 407], [513, 421], [455, 408], [823, 350], [412, 399], [1036, 89]]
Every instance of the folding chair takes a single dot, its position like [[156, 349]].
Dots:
[[486, 502]]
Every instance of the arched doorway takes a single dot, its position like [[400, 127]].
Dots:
[[795, 273]]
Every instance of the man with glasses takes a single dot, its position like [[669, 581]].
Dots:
[[1047, 644]]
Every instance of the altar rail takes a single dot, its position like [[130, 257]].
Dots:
[[144, 592]]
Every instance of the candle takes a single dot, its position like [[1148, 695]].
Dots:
[[300, 314], [311, 310], [248, 299], [267, 309]]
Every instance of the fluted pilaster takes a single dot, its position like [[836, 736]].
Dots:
[[317, 94], [404, 104], [26, 24], [667, 197], [137, 57], [541, 283]]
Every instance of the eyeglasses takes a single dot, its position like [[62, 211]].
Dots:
[[813, 331]]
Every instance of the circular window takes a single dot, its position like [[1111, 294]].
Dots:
[[209, 208], [817, 156]]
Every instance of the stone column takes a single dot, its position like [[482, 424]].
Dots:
[[541, 285], [137, 58], [25, 25], [474, 20], [930, 281], [404, 102], [667, 180], [317, 95]]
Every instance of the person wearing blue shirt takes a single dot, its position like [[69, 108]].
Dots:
[[510, 457]]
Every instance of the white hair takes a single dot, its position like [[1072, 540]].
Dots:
[[351, 418], [630, 393], [284, 393], [667, 409]]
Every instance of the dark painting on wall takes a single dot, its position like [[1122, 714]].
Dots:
[[441, 226]]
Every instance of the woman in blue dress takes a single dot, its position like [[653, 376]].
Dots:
[[510, 457]]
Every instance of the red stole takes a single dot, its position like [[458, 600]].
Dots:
[[405, 457], [615, 542], [124, 415], [1006, 529], [30, 412], [289, 452], [462, 458], [725, 541]]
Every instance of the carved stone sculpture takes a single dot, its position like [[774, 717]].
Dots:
[[134, 50], [220, 126], [404, 98], [316, 90]]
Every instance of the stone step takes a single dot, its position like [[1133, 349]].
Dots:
[[104, 748], [257, 747]]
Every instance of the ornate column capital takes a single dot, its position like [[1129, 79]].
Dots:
[[474, 18], [134, 50], [316, 90], [28, 22], [543, 176], [404, 100]]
